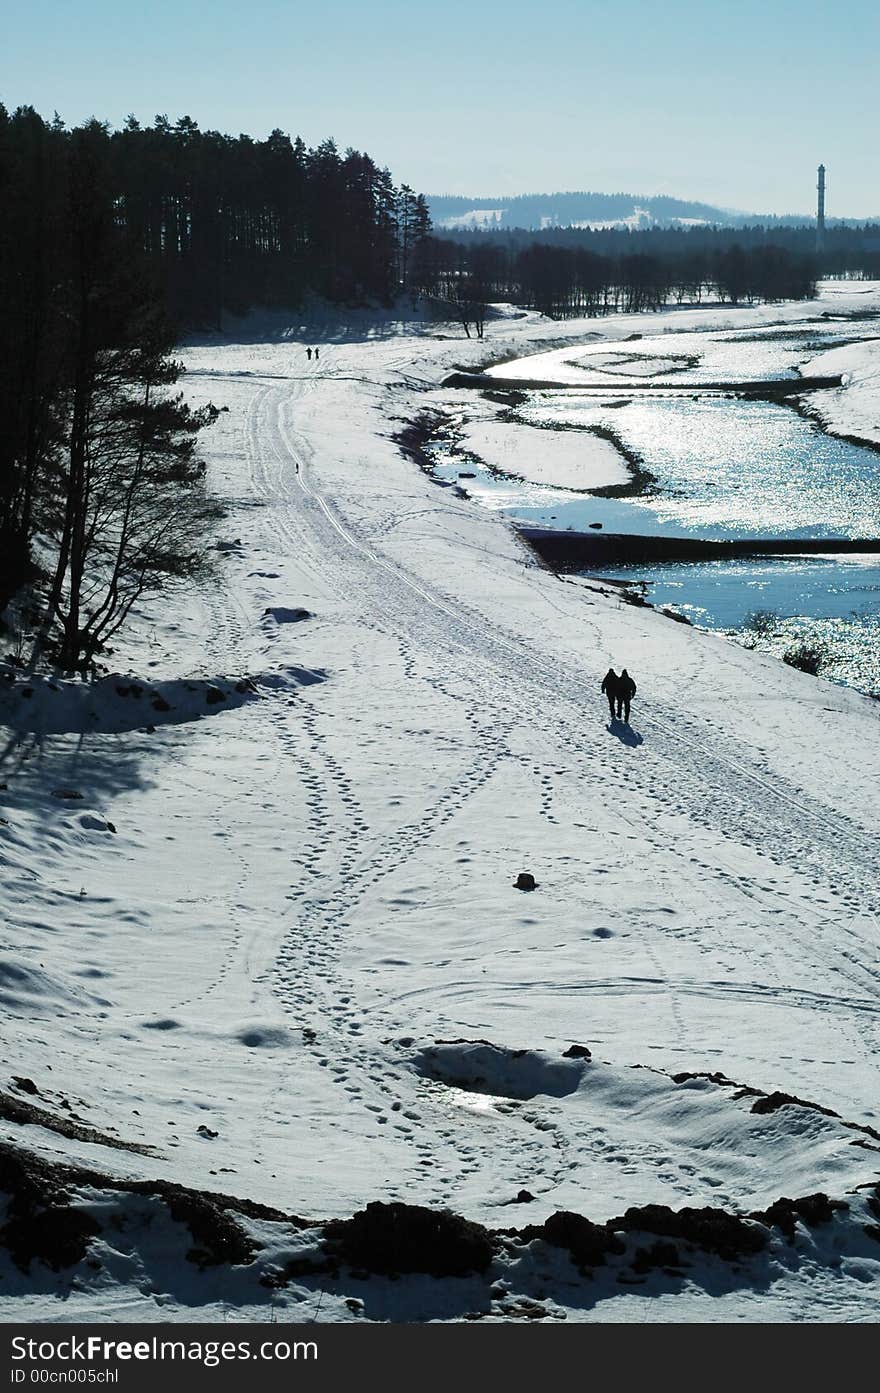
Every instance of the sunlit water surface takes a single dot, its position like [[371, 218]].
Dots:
[[725, 468]]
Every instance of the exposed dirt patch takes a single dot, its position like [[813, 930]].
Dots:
[[812, 1210], [17, 1110], [589, 1244], [389, 1238], [707, 1229], [42, 1222], [771, 1102]]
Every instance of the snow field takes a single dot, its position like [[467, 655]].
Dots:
[[300, 885]]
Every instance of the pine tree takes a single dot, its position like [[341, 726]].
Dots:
[[131, 503], [31, 331]]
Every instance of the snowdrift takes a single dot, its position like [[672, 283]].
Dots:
[[78, 1235], [120, 702]]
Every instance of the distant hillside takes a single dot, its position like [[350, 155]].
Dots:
[[534, 212], [544, 210]]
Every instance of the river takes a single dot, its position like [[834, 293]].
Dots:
[[724, 467]]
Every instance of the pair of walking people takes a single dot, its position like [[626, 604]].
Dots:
[[620, 691], [310, 351]]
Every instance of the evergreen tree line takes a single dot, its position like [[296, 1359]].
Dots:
[[110, 243], [849, 250], [228, 223], [562, 280], [232, 223]]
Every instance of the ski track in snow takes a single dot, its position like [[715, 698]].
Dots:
[[711, 790], [716, 792]]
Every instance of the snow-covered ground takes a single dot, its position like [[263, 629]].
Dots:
[[568, 460], [310, 883], [473, 217], [854, 407], [576, 460]]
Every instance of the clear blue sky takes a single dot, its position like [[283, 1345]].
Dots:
[[735, 102]]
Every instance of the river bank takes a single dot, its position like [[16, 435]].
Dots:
[[710, 470], [580, 551]]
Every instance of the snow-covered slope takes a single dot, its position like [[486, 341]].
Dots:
[[242, 986]]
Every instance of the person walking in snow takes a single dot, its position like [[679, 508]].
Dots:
[[610, 686], [316, 355], [626, 690], [309, 352]]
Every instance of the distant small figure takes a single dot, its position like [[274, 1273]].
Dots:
[[610, 685], [626, 690], [309, 353], [316, 355]]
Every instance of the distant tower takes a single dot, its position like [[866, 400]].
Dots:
[[820, 211]]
